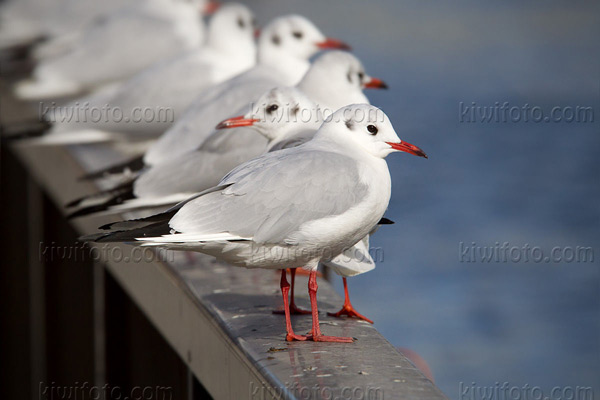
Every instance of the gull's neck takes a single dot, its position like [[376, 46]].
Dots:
[[300, 133], [299, 130]]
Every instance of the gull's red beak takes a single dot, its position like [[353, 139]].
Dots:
[[256, 33], [236, 122], [408, 148], [330, 43], [210, 7], [376, 83]]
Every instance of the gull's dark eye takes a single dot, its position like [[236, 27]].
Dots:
[[272, 108], [361, 76], [241, 23], [297, 35], [276, 40], [372, 129]]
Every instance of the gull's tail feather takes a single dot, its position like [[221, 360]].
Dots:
[[174, 238]]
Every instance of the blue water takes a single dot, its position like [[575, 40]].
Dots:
[[521, 183]]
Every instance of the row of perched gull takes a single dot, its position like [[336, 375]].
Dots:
[[268, 160]]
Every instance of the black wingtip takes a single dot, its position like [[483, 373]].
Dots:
[[108, 226], [129, 235], [120, 195], [385, 221], [133, 165]]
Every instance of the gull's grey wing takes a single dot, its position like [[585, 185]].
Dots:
[[148, 37], [168, 88], [159, 88], [198, 170], [271, 197]]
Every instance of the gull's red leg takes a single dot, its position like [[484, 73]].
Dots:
[[347, 308], [285, 290], [294, 309], [316, 334]]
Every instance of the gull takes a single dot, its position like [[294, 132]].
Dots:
[[25, 21], [118, 48], [338, 73], [167, 87], [197, 170], [290, 208], [287, 118], [335, 79], [67, 39], [284, 48]]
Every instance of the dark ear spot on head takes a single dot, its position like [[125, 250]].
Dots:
[[276, 40], [295, 109], [349, 76], [272, 108], [349, 125]]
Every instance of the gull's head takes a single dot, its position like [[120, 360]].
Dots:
[[276, 113], [369, 128], [338, 78], [232, 27], [296, 36]]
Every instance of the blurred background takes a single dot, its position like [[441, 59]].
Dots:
[[524, 183]]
